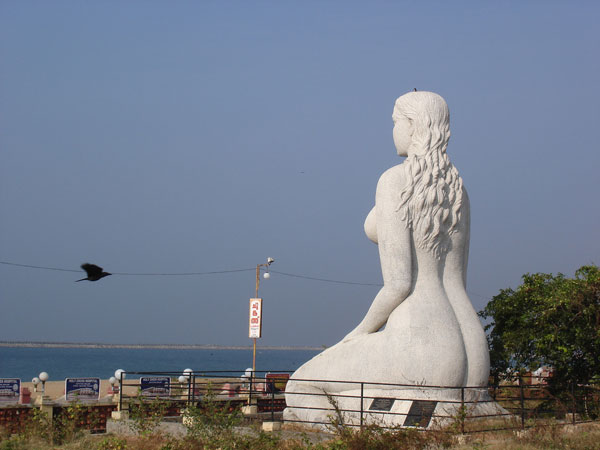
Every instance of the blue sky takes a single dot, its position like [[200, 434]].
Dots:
[[173, 137]]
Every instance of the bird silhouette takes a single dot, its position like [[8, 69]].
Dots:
[[94, 272]]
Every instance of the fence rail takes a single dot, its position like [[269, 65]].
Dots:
[[510, 405]]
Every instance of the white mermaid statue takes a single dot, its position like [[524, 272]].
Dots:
[[421, 337]]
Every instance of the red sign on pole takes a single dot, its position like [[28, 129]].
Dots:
[[255, 318]]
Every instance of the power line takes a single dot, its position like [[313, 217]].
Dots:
[[38, 267], [183, 273], [131, 273], [347, 282], [324, 279], [214, 272]]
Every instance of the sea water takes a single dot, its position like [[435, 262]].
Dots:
[[61, 363]]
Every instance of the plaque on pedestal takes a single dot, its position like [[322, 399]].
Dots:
[[381, 404], [420, 413]]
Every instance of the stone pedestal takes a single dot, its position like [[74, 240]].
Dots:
[[569, 418], [122, 412], [418, 406], [119, 415], [46, 405], [250, 409], [43, 400], [271, 426]]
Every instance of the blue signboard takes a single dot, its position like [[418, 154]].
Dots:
[[10, 390], [155, 386], [82, 389]]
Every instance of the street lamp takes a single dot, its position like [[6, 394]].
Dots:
[[120, 375], [114, 384], [43, 378], [267, 275], [120, 378]]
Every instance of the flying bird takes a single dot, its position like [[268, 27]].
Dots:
[[94, 273]]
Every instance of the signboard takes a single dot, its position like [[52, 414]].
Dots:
[[82, 389], [155, 386], [255, 318], [276, 382], [10, 389], [420, 413]]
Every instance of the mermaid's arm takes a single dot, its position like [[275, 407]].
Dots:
[[395, 254]]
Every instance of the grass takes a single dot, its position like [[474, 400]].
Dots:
[[543, 436], [212, 425]]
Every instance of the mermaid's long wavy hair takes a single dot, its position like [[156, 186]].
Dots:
[[431, 202]]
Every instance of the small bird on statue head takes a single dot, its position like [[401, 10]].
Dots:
[[94, 272]]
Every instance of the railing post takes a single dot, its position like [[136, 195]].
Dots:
[[250, 392], [121, 391], [189, 389], [574, 401], [362, 396], [522, 400], [462, 410], [272, 403], [193, 390]]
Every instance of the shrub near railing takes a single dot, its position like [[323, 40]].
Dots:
[[147, 414], [212, 422]]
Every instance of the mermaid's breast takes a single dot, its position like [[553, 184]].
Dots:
[[371, 226]]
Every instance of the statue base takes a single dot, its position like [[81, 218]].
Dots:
[[421, 407]]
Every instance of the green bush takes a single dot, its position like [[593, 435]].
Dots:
[[112, 443], [212, 423], [146, 415]]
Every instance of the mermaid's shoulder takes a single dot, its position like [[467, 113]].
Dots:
[[395, 177]]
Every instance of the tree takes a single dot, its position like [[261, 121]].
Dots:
[[551, 320]]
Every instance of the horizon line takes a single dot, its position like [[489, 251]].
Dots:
[[53, 344]]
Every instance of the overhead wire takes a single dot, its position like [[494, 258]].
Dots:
[[38, 267], [183, 273], [131, 273], [324, 279], [213, 272]]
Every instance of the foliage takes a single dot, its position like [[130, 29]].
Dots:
[[146, 415], [374, 437], [112, 443], [64, 427], [212, 422], [377, 438], [542, 435], [16, 442], [551, 320]]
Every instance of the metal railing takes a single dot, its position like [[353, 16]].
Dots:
[[509, 405], [219, 386]]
